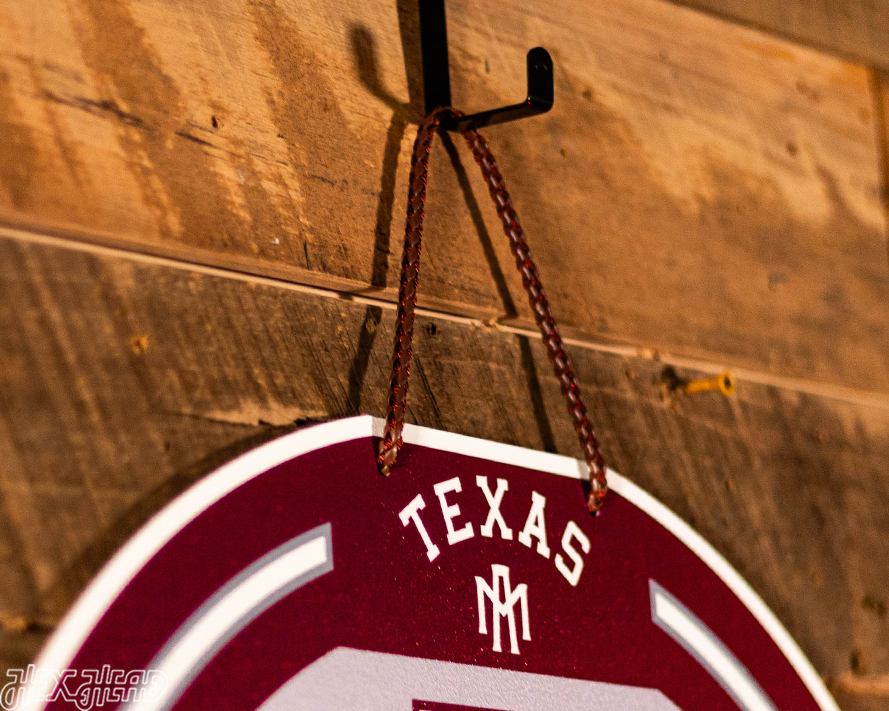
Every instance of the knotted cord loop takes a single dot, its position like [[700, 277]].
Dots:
[[407, 300]]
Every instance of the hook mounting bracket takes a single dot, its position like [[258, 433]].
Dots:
[[437, 79]]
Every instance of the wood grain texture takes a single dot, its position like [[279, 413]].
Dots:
[[700, 188], [881, 107], [849, 702], [123, 382], [854, 28]]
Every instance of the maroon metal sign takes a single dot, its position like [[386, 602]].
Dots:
[[473, 578]]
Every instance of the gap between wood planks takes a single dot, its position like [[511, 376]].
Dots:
[[799, 385]]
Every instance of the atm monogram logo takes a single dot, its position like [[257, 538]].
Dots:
[[508, 604], [503, 609]]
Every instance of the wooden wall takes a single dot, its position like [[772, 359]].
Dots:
[[200, 214], [857, 29]]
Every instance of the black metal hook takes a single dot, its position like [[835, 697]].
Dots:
[[437, 78]]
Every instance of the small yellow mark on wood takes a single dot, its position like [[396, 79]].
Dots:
[[139, 343], [864, 684], [13, 624], [724, 383], [267, 413]]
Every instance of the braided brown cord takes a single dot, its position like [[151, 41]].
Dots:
[[544, 317], [407, 292], [407, 300]]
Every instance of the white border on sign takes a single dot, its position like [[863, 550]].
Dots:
[[117, 573]]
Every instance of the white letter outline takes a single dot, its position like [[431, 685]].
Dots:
[[411, 513], [450, 512], [535, 525], [494, 515], [572, 530]]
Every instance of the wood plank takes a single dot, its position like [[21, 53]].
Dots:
[[860, 702], [854, 28], [700, 188], [123, 382]]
